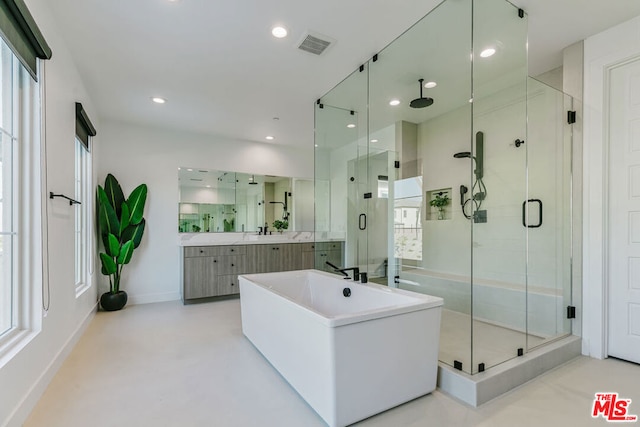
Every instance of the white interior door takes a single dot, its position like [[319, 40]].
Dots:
[[624, 212]]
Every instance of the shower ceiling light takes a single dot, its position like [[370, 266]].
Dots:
[[394, 102], [279, 32], [430, 85], [269, 137], [374, 140], [351, 125], [158, 100], [487, 52]]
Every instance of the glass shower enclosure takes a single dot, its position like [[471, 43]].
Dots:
[[447, 171]]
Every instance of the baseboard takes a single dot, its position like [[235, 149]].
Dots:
[[151, 298], [26, 405]]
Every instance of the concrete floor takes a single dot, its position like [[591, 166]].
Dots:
[[166, 364]]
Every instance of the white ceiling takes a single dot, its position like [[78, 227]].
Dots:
[[223, 73]]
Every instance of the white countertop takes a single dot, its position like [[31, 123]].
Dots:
[[223, 239]]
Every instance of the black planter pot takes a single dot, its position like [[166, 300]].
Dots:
[[113, 302]]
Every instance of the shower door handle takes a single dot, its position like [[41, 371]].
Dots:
[[362, 221], [524, 213]]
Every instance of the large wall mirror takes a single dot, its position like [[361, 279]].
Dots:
[[214, 201]]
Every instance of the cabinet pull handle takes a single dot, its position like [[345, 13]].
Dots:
[[232, 284], [232, 265], [215, 260], [231, 250], [201, 251]]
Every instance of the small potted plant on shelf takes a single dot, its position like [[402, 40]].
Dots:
[[121, 227], [439, 202], [280, 225]]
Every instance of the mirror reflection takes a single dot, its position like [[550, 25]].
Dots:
[[213, 201]]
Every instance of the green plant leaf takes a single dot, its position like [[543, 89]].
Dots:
[[124, 218], [108, 264], [102, 195], [113, 248], [126, 252], [114, 193], [136, 203], [134, 232], [108, 220]]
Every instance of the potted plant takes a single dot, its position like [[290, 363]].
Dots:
[[439, 202], [280, 225], [121, 227]]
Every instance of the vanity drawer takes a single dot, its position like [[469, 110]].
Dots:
[[328, 246], [234, 264], [198, 251], [232, 250], [227, 284], [307, 247]]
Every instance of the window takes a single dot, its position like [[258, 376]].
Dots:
[[83, 248], [20, 200], [8, 291]]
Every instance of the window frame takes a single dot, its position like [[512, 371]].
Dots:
[[83, 241], [27, 203]]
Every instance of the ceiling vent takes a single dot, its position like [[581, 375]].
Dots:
[[315, 43]]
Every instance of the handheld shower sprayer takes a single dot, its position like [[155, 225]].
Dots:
[[463, 190]]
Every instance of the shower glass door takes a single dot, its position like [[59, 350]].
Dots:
[[548, 213]]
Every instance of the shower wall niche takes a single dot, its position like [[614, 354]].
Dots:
[[491, 139]]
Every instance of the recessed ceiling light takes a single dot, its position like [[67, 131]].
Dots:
[[190, 170], [394, 102], [279, 32], [374, 140], [316, 145], [208, 186], [269, 137], [487, 52], [158, 100], [430, 85], [470, 99], [351, 125]]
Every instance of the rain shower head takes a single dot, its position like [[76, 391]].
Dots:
[[422, 101], [462, 155]]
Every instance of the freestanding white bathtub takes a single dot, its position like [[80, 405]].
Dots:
[[348, 357]]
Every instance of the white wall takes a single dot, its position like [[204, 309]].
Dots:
[[601, 52], [25, 376], [137, 154]]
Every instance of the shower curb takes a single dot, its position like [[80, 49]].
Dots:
[[480, 388]]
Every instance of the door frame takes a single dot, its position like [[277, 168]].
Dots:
[[602, 52]]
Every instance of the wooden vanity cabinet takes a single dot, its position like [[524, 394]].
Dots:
[[212, 271]]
